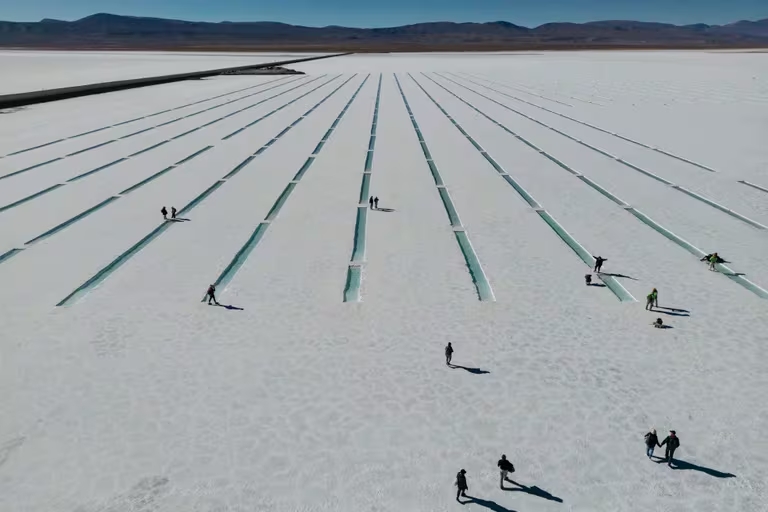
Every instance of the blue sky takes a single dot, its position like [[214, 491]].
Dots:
[[378, 13]]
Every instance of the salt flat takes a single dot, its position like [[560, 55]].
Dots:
[[321, 383]]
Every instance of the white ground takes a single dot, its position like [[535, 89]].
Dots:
[[140, 398], [25, 71]]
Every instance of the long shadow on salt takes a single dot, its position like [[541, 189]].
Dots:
[[476, 371], [491, 505], [671, 312], [533, 491], [677, 310], [230, 307], [681, 464], [616, 275]]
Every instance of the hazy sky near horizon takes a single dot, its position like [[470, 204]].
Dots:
[[362, 13]]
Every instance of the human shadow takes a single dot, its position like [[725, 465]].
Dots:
[[490, 505], [616, 275], [533, 491], [179, 219], [681, 464], [670, 313], [230, 307], [476, 371], [664, 326], [387, 210], [673, 309], [599, 285]]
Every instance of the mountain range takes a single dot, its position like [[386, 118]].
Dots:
[[108, 31]]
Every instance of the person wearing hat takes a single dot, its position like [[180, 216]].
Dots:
[[505, 467], [461, 484], [673, 443]]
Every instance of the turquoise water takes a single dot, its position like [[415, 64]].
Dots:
[[449, 208], [365, 186], [280, 201], [358, 248], [484, 291], [611, 282], [352, 286], [71, 221]]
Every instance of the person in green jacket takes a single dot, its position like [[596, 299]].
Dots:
[[652, 300], [713, 260]]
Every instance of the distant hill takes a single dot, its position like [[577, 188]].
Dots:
[[108, 31]]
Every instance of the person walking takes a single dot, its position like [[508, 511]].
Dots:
[[651, 442], [211, 294], [505, 467], [370, 202], [376, 202], [599, 260], [652, 299], [713, 260], [673, 443], [165, 213], [173, 212], [461, 484], [448, 353]]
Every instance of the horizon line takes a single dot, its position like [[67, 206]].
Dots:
[[389, 26]]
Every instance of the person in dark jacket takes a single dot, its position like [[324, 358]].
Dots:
[[651, 442], [448, 354], [164, 212], [588, 279], [211, 294], [504, 467], [376, 202], [599, 260], [173, 212], [461, 484], [370, 202], [673, 443]]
